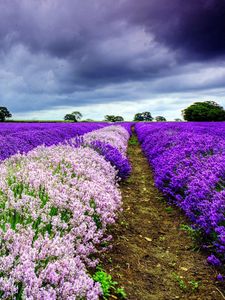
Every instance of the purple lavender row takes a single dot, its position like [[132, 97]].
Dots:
[[113, 146], [20, 137], [56, 204], [188, 160], [127, 126], [9, 128], [110, 144]]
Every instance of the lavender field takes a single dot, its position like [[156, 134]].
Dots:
[[65, 187], [112, 150]]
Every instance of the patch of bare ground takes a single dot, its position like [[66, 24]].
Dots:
[[151, 257]]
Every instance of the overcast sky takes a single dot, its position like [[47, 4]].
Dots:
[[110, 56]]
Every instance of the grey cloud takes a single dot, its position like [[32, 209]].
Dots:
[[193, 28], [77, 53]]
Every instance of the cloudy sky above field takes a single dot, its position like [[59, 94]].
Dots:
[[110, 56]]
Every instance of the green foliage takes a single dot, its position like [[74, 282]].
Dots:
[[220, 185], [70, 117], [42, 194], [19, 295], [112, 118], [97, 220], [121, 293], [107, 284], [194, 284], [204, 111], [95, 216], [66, 215], [74, 116], [160, 119], [180, 281], [193, 233], [191, 285], [4, 113], [169, 209], [144, 116], [133, 140]]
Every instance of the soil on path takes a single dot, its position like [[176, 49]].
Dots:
[[151, 255]]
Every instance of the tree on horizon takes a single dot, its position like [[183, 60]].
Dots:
[[4, 113], [112, 118], [160, 119], [144, 116], [204, 111], [74, 116]]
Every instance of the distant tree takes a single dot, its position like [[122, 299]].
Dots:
[[160, 119], [204, 111], [109, 118], [2, 117], [88, 120], [69, 117], [178, 120], [119, 119], [4, 113], [144, 116], [112, 118], [74, 116]]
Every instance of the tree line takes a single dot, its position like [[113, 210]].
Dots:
[[144, 116], [196, 112]]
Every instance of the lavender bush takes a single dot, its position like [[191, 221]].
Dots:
[[56, 203], [111, 142], [116, 136], [115, 157], [189, 166]]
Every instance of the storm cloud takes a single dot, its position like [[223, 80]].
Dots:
[[61, 55], [193, 28]]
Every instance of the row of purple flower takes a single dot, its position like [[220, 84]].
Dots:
[[23, 137], [189, 167]]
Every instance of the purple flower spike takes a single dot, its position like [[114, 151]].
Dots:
[[212, 260], [220, 277]]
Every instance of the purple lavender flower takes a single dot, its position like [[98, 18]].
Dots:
[[212, 260], [114, 156], [188, 160], [220, 277]]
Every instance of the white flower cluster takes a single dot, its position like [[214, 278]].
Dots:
[[55, 205]]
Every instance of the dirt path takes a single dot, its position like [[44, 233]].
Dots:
[[151, 255]]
